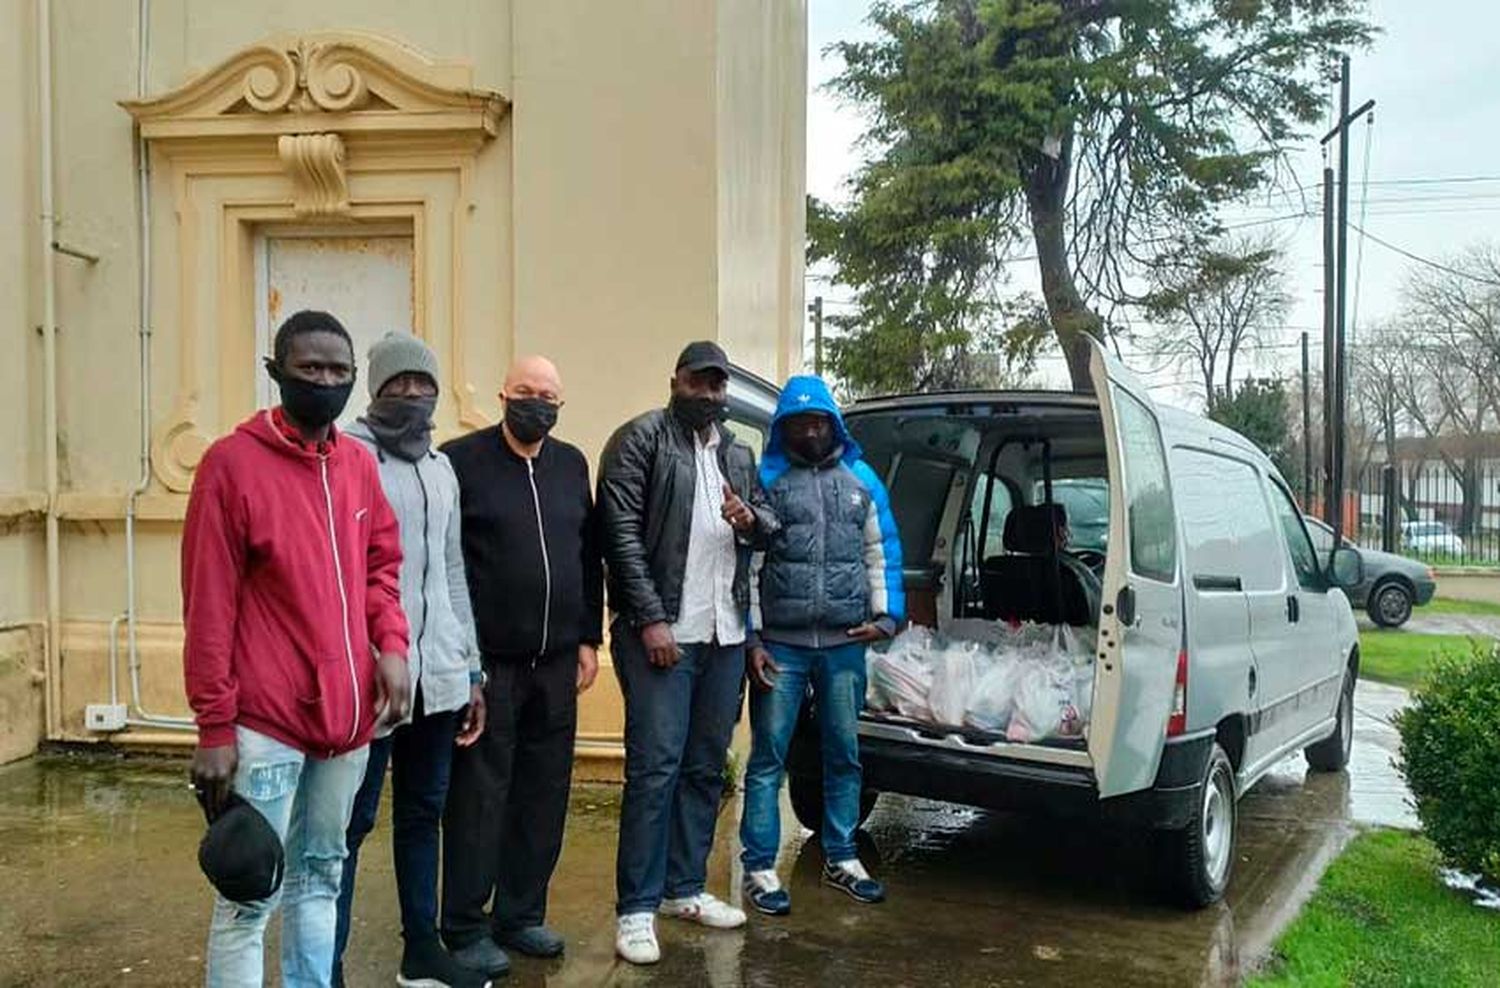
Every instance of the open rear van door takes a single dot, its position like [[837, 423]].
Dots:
[[1141, 620]]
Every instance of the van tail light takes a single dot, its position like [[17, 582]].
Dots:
[[1177, 723]]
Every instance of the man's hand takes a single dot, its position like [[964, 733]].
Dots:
[[213, 776], [763, 668], [737, 512], [868, 632], [661, 647], [392, 689], [474, 716], [588, 667]]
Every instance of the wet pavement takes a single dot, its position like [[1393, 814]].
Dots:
[[1473, 625], [99, 886]]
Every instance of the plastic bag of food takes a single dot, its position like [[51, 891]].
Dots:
[[900, 677], [994, 700], [1053, 691], [954, 671]]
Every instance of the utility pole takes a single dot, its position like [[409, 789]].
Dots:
[[817, 316], [1330, 292], [1340, 264], [1306, 428]]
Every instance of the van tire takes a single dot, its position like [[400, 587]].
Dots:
[[1332, 753], [806, 792], [1197, 861]]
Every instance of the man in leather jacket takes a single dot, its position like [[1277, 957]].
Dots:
[[682, 508]]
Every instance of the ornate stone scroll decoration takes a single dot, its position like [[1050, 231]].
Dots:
[[315, 163], [282, 85], [330, 125]]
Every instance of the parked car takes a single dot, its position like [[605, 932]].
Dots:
[[1431, 537], [1393, 584], [1224, 641]]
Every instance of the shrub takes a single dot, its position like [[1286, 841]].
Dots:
[[1450, 752]]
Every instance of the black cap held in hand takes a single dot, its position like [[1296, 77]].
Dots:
[[241, 854], [703, 355]]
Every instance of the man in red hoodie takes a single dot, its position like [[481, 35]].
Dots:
[[295, 641]]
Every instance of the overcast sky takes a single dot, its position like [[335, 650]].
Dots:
[[1435, 76]]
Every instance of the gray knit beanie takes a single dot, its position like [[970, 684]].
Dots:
[[399, 353]]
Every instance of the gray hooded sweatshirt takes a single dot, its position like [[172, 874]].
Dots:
[[444, 656]]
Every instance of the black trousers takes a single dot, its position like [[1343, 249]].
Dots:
[[508, 799]]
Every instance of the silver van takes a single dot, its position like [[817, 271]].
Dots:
[[1223, 642]]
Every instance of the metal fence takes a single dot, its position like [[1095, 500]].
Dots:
[[1447, 514]]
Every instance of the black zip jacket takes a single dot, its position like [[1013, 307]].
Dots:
[[647, 479], [531, 547]]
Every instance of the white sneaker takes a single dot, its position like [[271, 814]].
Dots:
[[705, 910], [635, 938]]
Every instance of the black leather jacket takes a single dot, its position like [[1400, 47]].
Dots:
[[647, 479]]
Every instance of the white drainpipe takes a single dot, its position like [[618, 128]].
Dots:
[[49, 373], [141, 717]]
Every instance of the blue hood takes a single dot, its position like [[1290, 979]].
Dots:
[[804, 393]]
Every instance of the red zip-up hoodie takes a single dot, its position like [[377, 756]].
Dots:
[[291, 567]]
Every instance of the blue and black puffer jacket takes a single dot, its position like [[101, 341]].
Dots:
[[836, 562]]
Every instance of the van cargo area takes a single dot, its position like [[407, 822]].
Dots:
[[1003, 508]]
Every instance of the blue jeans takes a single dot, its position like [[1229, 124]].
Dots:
[[422, 755], [308, 802], [678, 724], [837, 676]]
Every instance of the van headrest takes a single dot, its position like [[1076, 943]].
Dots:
[[1031, 529]]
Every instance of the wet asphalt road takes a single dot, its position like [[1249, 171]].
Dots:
[[99, 886]]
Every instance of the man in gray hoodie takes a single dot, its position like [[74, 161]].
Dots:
[[447, 699]]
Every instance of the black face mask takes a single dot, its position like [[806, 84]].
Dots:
[[811, 450], [402, 426], [310, 405], [699, 413], [530, 419]]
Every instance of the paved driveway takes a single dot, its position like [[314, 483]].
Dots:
[[98, 886]]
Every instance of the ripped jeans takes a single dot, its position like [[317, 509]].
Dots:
[[308, 802]]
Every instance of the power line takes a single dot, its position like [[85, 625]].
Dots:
[[1427, 261]]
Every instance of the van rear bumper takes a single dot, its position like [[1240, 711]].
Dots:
[[1014, 784]]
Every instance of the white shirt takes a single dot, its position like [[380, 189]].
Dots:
[[708, 613]]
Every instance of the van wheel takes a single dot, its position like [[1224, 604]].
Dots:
[[1332, 753], [1197, 860], [807, 801], [1390, 605]]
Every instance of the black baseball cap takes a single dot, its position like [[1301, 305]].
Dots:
[[241, 854], [703, 355]]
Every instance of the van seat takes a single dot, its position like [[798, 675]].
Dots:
[[1025, 584]]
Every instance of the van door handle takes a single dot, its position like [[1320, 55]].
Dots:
[[1293, 610], [1125, 604]]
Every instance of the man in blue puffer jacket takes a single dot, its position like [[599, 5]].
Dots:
[[828, 585]]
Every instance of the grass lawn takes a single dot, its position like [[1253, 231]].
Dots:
[[1381, 917], [1447, 605], [1402, 658]]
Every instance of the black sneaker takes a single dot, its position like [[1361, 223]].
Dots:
[[425, 964], [851, 878]]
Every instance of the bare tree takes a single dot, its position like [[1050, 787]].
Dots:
[[1210, 301], [1451, 394]]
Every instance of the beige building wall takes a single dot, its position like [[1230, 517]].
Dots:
[[639, 185], [22, 603]]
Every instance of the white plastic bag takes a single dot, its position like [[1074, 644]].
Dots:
[[994, 699], [1050, 691], [955, 669], [900, 678]]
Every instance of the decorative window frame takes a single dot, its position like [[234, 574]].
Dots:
[[333, 127]]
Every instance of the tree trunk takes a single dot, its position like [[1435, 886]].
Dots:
[[1072, 320]]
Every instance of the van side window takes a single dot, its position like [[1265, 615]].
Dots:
[[919, 492], [1153, 531], [1304, 556], [1229, 528]]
